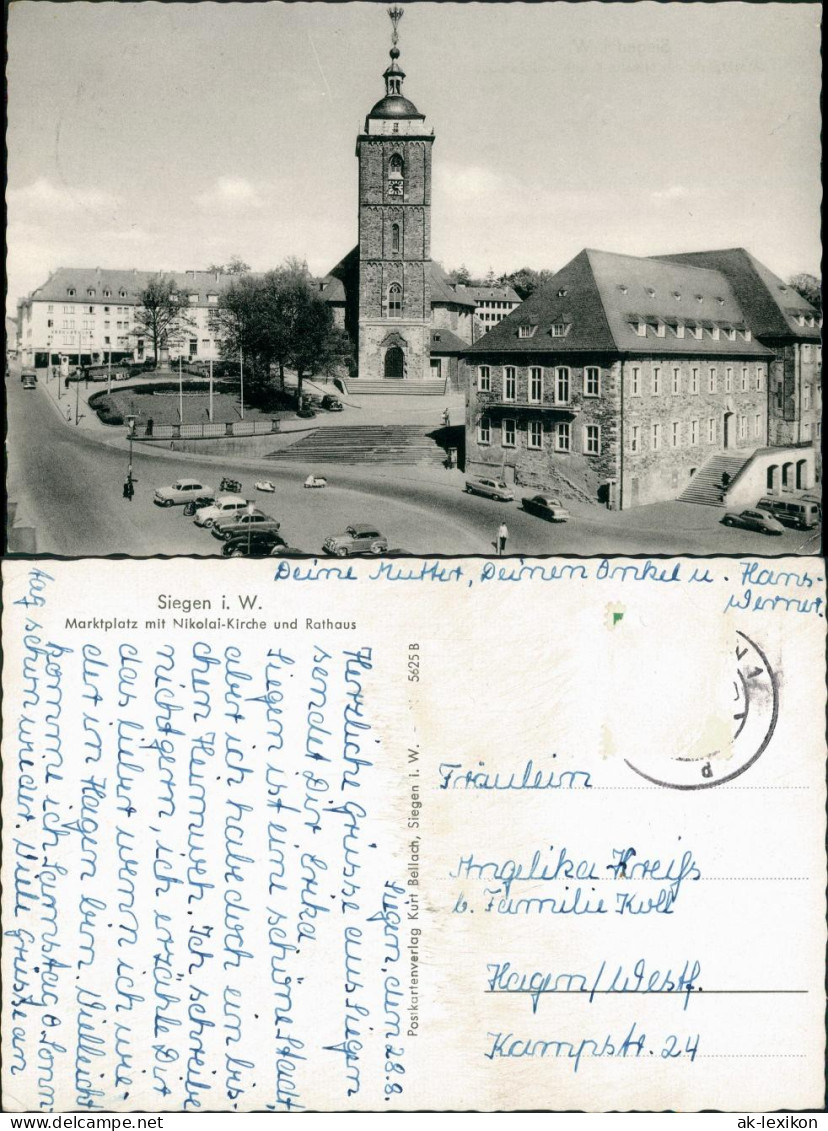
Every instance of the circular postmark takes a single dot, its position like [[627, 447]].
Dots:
[[755, 703]]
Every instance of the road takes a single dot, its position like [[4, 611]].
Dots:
[[69, 486]]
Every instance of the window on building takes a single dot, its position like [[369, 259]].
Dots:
[[635, 438], [122, 294], [656, 380], [748, 335], [395, 239], [71, 292], [91, 309], [742, 427], [656, 437], [714, 333], [675, 434], [679, 329], [562, 385], [818, 430], [640, 328], [635, 381], [395, 301], [536, 385], [526, 331], [508, 439], [711, 379], [484, 431], [562, 436], [729, 379], [50, 308], [694, 380], [760, 373], [212, 299], [661, 329], [744, 378], [535, 436], [711, 430], [592, 381], [757, 424], [592, 439], [395, 166], [694, 432], [484, 378], [192, 300], [90, 292], [806, 430], [697, 331], [559, 329], [107, 293], [806, 396], [731, 333], [676, 380], [509, 383]]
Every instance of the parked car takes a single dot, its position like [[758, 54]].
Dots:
[[360, 539], [331, 403], [225, 506], [545, 507], [315, 481], [256, 544], [803, 513], [491, 489], [28, 378], [757, 520], [230, 485], [244, 521], [193, 505], [182, 491], [265, 485]]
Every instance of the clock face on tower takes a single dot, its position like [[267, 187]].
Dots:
[[395, 188]]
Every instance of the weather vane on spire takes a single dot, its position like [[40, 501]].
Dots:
[[395, 15]]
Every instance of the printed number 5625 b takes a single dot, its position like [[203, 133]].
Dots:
[[413, 663]]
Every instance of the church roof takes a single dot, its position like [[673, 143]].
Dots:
[[600, 301], [395, 106], [495, 293], [771, 306], [443, 291]]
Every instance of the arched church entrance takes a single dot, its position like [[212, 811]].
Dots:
[[394, 364]]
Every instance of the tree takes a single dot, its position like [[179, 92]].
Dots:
[[527, 280], [236, 266], [461, 275], [161, 315], [810, 287]]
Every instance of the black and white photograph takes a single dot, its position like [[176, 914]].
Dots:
[[435, 278]]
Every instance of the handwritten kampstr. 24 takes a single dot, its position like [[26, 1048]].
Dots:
[[445, 835]]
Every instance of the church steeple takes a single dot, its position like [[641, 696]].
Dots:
[[394, 105]]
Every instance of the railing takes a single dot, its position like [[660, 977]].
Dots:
[[207, 431]]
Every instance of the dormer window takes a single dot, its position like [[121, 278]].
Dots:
[[800, 319], [720, 300], [90, 292], [697, 331], [559, 329], [677, 296], [622, 288], [679, 329], [651, 292], [714, 333], [640, 328], [107, 293], [212, 299], [70, 291], [699, 298], [748, 336], [661, 329], [526, 331], [810, 320], [121, 294], [731, 333], [192, 299], [562, 292]]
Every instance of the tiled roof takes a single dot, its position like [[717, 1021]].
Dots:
[[446, 341], [770, 305], [132, 282], [597, 301], [444, 291]]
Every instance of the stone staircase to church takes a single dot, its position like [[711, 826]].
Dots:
[[706, 485], [393, 443], [360, 387]]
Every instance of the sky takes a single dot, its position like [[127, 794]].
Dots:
[[173, 136]]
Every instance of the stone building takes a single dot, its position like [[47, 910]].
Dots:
[[627, 381]]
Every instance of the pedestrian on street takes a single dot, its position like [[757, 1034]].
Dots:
[[129, 489], [502, 536], [68, 414], [446, 418]]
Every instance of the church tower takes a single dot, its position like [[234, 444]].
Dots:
[[394, 153]]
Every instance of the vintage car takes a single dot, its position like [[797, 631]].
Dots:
[[265, 485], [256, 544], [244, 521], [225, 506], [182, 491], [491, 489], [315, 481], [757, 520], [362, 539], [545, 507], [331, 403]]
